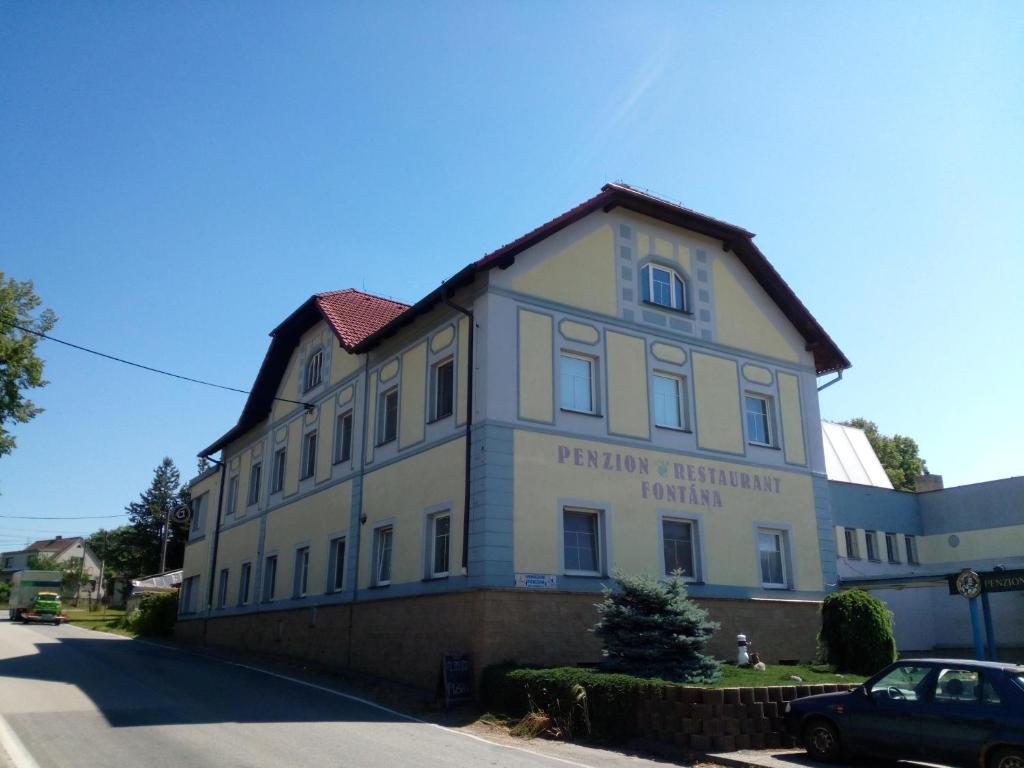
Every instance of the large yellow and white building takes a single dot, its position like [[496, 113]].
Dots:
[[630, 386]]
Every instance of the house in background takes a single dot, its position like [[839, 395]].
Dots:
[[60, 549], [903, 546], [629, 386]]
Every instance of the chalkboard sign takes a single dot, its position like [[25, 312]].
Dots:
[[458, 679]]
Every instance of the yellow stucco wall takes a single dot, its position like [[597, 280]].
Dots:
[[401, 492], [628, 412], [293, 457], [237, 545], [717, 403], [342, 363], [983, 544], [412, 396], [536, 396], [746, 318], [544, 462], [462, 387], [792, 419], [371, 419], [309, 521], [580, 274], [324, 441]]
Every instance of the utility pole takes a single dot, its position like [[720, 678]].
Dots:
[[163, 540]]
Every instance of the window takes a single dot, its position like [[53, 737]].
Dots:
[[277, 481], [662, 286], [770, 547], [308, 456], [300, 585], [383, 537], [343, 438], [337, 565], [668, 401], [269, 578], [198, 522], [902, 684], [759, 419], [314, 369], [254, 483], [911, 545], [581, 546], [852, 550], [387, 416], [244, 577], [679, 540], [956, 685], [871, 539], [232, 495], [892, 548], [189, 592], [222, 589], [577, 379], [440, 539], [443, 384]]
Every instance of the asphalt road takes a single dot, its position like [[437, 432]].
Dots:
[[72, 698]]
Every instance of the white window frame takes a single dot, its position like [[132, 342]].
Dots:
[[232, 507], [910, 546], [332, 563], [892, 548], [244, 582], [383, 438], [269, 586], [379, 533], [342, 446], [222, 588], [598, 515], [435, 389], [852, 544], [432, 521], [592, 364], [648, 295], [255, 481], [871, 545], [314, 370], [280, 470], [682, 408], [309, 449], [769, 418], [197, 525], [782, 536], [300, 578], [695, 547]]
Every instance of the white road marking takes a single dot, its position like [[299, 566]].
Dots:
[[11, 744]]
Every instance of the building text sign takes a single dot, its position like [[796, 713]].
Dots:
[[535, 581], [972, 583], [676, 481]]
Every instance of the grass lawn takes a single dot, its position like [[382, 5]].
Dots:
[[780, 674], [103, 620]]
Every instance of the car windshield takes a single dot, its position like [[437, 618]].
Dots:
[[900, 683], [1018, 679]]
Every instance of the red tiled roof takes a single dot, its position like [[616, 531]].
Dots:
[[354, 315], [52, 545]]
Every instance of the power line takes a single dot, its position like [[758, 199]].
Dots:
[[79, 347]]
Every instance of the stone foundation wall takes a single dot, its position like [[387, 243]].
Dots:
[[403, 639]]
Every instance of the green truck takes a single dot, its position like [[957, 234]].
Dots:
[[35, 596]]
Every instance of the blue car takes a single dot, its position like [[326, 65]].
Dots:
[[949, 711]]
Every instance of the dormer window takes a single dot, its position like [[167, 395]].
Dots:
[[663, 286], [315, 370]]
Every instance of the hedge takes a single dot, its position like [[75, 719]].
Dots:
[[612, 700], [155, 615]]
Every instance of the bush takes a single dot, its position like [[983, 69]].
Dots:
[[5, 592], [856, 632], [155, 615], [651, 628], [579, 702]]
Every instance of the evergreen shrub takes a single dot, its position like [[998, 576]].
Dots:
[[856, 632], [155, 615]]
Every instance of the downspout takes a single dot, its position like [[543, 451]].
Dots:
[[469, 424], [216, 543], [362, 516], [836, 380]]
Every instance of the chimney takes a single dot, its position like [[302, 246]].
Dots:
[[925, 483]]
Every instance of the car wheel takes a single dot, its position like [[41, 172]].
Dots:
[[1007, 758], [821, 740]]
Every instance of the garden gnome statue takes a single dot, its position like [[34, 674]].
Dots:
[[742, 657]]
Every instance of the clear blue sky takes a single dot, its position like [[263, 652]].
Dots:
[[176, 178]]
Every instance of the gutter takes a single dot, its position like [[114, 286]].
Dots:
[[469, 426], [216, 542]]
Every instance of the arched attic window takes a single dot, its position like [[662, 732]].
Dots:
[[315, 369], [663, 286]]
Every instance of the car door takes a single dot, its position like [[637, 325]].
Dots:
[[887, 723], [961, 715]]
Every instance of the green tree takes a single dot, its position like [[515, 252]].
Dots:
[[898, 454], [20, 368], [856, 632], [150, 513], [651, 628], [70, 571]]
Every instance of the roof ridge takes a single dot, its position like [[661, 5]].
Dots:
[[326, 294]]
